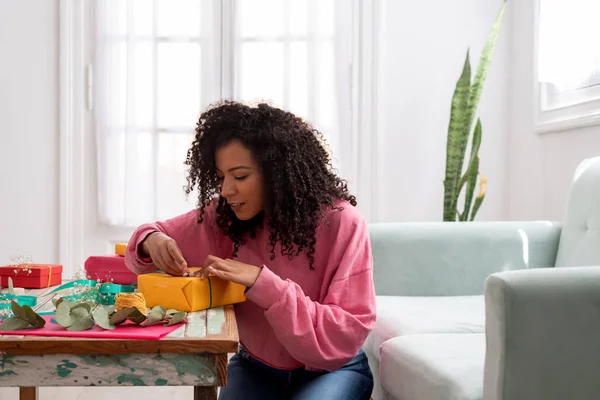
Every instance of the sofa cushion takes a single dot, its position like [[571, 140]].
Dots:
[[578, 246], [405, 315], [434, 366]]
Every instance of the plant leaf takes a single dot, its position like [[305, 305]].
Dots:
[[63, 313], [156, 314], [110, 309], [18, 311], [56, 301], [472, 171], [100, 315], [482, 67], [35, 320], [82, 324], [171, 311], [67, 316], [149, 323], [457, 140], [121, 315], [176, 318], [85, 305], [136, 316], [14, 323]]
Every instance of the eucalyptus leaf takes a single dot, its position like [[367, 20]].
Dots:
[[110, 309], [35, 320], [14, 323], [121, 315], [136, 316], [172, 311], [100, 315], [63, 314], [176, 318], [79, 312], [82, 324], [75, 306], [149, 323], [67, 316], [156, 314], [17, 310]]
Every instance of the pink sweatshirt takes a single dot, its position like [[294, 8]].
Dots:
[[293, 317]]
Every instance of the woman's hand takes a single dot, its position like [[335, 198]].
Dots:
[[165, 254], [231, 270]]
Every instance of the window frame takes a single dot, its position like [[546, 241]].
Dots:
[[75, 104], [562, 111]]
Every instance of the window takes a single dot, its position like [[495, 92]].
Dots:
[[158, 63], [568, 64]]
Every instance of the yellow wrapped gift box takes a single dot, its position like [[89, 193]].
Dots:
[[188, 293], [120, 249]]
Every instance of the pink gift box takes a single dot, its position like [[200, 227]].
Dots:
[[109, 268]]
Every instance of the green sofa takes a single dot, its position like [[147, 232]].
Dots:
[[490, 310]]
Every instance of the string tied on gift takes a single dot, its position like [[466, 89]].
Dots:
[[128, 300]]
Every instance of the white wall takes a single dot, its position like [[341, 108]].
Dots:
[[540, 166], [29, 130], [423, 48]]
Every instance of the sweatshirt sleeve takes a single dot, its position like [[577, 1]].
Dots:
[[195, 240], [324, 335]]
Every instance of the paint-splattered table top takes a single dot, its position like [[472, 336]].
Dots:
[[210, 331]]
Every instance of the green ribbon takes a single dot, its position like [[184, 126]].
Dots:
[[209, 292], [105, 295], [21, 300]]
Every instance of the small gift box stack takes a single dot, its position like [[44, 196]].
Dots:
[[31, 275], [110, 268]]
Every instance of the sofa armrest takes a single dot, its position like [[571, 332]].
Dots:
[[455, 258], [543, 334]]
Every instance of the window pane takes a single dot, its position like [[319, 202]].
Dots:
[[142, 17], [178, 17], [138, 176], [260, 17], [115, 75], [111, 17], [171, 175], [143, 93], [298, 79], [179, 73], [326, 17], [297, 18], [261, 72], [325, 70]]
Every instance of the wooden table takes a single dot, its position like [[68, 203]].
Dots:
[[193, 355]]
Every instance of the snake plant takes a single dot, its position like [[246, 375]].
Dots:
[[462, 115]]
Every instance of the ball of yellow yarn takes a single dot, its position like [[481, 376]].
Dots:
[[125, 300]]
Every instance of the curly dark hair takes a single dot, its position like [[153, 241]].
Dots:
[[299, 179]]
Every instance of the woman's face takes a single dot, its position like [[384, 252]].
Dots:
[[242, 183]]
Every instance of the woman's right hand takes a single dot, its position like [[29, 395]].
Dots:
[[165, 254]]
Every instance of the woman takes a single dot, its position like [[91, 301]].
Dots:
[[274, 217]]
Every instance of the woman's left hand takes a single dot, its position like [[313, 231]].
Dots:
[[231, 270]]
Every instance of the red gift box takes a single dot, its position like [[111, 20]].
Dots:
[[109, 269], [31, 276]]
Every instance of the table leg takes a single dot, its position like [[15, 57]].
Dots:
[[28, 393], [205, 393]]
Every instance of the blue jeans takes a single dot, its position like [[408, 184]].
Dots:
[[248, 378]]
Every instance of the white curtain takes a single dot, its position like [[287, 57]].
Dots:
[[158, 63], [569, 43]]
